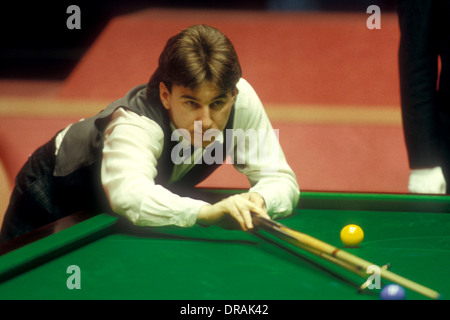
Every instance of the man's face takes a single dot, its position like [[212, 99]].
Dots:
[[206, 104]]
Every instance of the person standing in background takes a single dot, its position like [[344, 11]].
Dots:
[[425, 92]]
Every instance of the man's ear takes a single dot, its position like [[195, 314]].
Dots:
[[235, 92], [164, 95]]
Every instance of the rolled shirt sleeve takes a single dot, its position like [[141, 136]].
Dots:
[[263, 162]]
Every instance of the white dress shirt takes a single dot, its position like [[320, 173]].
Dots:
[[133, 144]]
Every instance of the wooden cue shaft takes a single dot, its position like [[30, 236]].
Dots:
[[288, 238], [303, 240], [362, 264]]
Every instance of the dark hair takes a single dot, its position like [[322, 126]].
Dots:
[[197, 54]]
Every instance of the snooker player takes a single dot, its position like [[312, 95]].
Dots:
[[122, 160]]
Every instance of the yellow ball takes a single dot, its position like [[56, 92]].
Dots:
[[352, 235]]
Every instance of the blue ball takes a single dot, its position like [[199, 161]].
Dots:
[[393, 292]]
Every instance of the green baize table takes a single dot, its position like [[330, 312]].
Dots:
[[116, 260]]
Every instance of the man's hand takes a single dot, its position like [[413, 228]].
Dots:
[[233, 211], [256, 198]]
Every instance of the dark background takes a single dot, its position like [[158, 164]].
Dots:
[[35, 42]]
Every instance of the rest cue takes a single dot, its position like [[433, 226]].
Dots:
[[335, 255]]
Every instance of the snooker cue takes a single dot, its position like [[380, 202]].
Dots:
[[336, 255]]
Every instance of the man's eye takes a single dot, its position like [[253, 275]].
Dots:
[[190, 103], [217, 104]]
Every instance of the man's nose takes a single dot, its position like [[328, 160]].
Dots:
[[205, 118]]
